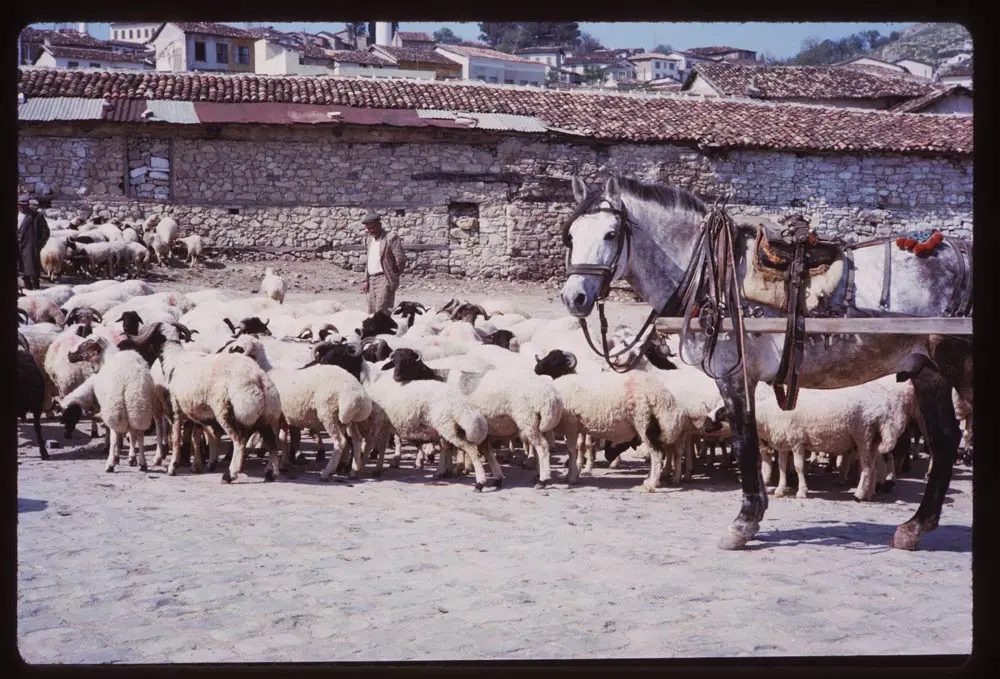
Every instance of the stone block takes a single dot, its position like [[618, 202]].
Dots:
[[159, 175], [159, 163]]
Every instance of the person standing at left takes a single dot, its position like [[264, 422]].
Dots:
[[32, 234], [384, 264]]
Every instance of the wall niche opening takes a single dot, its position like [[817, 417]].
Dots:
[[463, 219]]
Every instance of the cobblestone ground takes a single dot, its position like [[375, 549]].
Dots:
[[135, 567]]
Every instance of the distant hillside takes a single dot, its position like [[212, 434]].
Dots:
[[931, 43]]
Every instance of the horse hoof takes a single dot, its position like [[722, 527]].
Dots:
[[478, 488], [269, 476], [226, 478], [907, 536], [143, 468], [737, 538], [801, 496]]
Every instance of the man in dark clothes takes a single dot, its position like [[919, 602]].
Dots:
[[32, 233]]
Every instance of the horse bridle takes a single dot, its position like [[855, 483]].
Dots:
[[623, 244]]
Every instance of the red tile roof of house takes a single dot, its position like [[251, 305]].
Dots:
[[106, 56], [414, 37], [416, 55], [920, 103], [485, 53], [540, 50], [355, 57], [213, 28], [717, 123], [807, 82], [650, 55]]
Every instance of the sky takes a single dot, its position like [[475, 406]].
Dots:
[[779, 39]]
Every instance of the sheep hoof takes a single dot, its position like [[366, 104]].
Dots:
[[495, 483], [394, 464], [541, 485], [260, 454], [269, 476], [132, 462], [196, 470], [645, 488], [171, 470], [887, 486], [324, 477], [110, 468], [478, 487], [143, 468], [44, 455], [780, 492], [299, 459], [226, 478]]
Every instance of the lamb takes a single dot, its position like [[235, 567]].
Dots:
[[273, 286], [130, 235], [868, 418], [95, 256], [134, 259], [54, 255], [226, 389], [321, 397], [192, 245], [126, 396], [158, 247], [617, 407]]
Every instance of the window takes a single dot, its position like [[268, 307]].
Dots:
[[199, 51], [481, 77], [94, 64], [656, 64], [72, 64], [493, 79], [149, 32], [242, 54], [522, 82], [114, 34], [508, 81], [221, 53]]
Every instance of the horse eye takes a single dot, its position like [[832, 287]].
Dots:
[[609, 235]]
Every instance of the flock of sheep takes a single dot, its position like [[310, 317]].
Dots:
[[462, 382], [114, 248]]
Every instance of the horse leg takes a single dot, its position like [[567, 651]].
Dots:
[[746, 447], [36, 423]]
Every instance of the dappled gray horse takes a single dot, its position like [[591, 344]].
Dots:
[[649, 235]]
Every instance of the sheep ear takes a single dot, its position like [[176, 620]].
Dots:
[[224, 346], [305, 334], [579, 189], [120, 318], [389, 365], [482, 311], [229, 323], [138, 318], [421, 307]]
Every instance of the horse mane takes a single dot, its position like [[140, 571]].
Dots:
[[667, 197]]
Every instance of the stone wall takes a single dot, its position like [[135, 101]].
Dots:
[[464, 202]]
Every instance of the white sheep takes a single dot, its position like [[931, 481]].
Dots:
[[320, 397], [193, 247], [130, 235], [867, 418], [229, 389], [58, 294], [126, 396], [273, 286], [53, 255], [159, 248], [41, 309], [97, 256]]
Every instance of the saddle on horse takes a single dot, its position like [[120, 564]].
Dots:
[[776, 251]]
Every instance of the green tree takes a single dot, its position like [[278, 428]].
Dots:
[[509, 36], [446, 36], [355, 30], [592, 75], [663, 48]]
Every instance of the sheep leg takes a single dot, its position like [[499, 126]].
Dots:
[[540, 444], [175, 440], [396, 459], [93, 428], [652, 482], [688, 458], [214, 446], [573, 477], [339, 442], [444, 459], [677, 452], [36, 421], [114, 450], [782, 489], [158, 424], [360, 447], [590, 444], [495, 469], [320, 449], [799, 460], [138, 442], [477, 465]]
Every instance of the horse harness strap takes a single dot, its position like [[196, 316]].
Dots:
[[793, 351], [960, 303], [883, 302]]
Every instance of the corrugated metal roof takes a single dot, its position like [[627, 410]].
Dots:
[[489, 121], [124, 110], [288, 114], [60, 108], [166, 111]]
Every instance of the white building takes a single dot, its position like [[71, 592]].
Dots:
[[58, 56], [276, 58], [134, 31], [552, 57], [655, 66], [203, 46], [917, 68], [488, 65]]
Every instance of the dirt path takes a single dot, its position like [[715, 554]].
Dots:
[[138, 567]]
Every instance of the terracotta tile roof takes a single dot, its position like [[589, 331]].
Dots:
[[485, 53], [414, 54], [650, 55], [590, 59], [887, 65], [212, 28], [414, 37], [95, 55], [540, 50], [356, 57], [920, 103], [716, 123], [34, 35], [714, 51], [808, 82], [68, 38]]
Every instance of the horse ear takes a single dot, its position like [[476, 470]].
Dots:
[[612, 191], [579, 189]]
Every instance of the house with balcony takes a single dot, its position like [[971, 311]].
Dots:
[[651, 66], [492, 66], [551, 56], [203, 46]]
